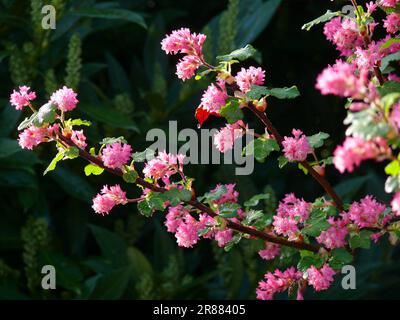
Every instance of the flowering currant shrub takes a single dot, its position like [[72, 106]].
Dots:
[[323, 234]]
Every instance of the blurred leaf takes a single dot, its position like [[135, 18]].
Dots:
[[8, 119], [112, 285], [111, 13], [324, 18], [240, 54], [118, 78], [8, 147], [138, 263], [317, 140], [257, 92]]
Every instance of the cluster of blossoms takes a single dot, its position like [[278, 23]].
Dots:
[[227, 135], [191, 44], [296, 148], [108, 198], [20, 99]]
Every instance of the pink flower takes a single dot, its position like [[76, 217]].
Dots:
[[20, 99], [393, 77], [392, 23], [389, 3], [32, 136], [229, 196], [214, 98], [396, 204], [79, 138], [371, 7], [355, 150], [367, 212], [335, 236], [395, 115], [320, 279], [65, 99], [292, 207], [187, 66], [225, 137], [340, 80], [286, 227], [344, 34], [245, 78], [296, 148], [223, 237], [271, 251], [183, 41], [277, 282], [368, 58], [116, 155], [108, 198], [187, 232], [163, 166], [175, 217]]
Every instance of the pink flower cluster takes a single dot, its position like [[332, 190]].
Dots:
[[225, 137], [389, 3], [20, 99], [320, 279], [344, 34], [108, 198], [341, 80], [187, 228], [245, 78], [392, 23], [32, 136], [214, 98], [355, 150], [396, 204], [65, 99], [231, 195], [164, 166], [367, 213], [191, 44], [291, 211], [296, 148], [270, 251], [277, 282], [116, 155], [335, 236], [79, 138]]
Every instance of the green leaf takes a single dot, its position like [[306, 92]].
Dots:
[[252, 216], [316, 223], [254, 201], [228, 210], [144, 155], [112, 247], [366, 124], [109, 116], [79, 122], [46, 114], [156, 200], [93, 169], [130, 176], [8, 147], [235, 240], [71, 153], [112, 140], [257, 92], [309, 259], [361, 240], [231, 111], [144, 208], [282, 161], [261, 148], [389, 87], [185, 195], [340, 257], [138, 263], [111, 13], [389, 42], [240, 54], [112, 285], [388, 59], [59, 156], [212, 196], [393, 168], [324, 18], [317, 140]]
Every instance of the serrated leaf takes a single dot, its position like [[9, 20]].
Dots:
[[308, 260], [147, 154], [317, 140], [231, 111], [324, 18], [46, 114], [361, 240], [388, 59], [93, 169], [212, 196], [79, 122], [144, 208], [228, 210], [257, 92], [261, 148], [112, 140], [59, 156], [340, 257], [240, 54], [254, 200], [130, 176], [393, 168], [282, 161]]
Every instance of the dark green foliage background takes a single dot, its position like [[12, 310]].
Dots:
[[126, 87]]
